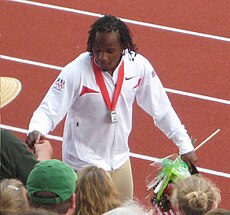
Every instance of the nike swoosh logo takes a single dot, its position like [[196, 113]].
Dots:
[[128, 78]]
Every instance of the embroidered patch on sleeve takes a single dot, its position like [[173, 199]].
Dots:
[[59, 84]]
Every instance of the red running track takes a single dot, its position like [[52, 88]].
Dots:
[[184, 62]]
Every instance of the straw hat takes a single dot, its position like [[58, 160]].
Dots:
[[10, 87]]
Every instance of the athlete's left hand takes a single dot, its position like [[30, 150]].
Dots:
[[190, 158]]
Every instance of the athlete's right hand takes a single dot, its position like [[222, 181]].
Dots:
[[34, 137]]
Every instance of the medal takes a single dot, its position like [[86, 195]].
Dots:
[[100, 81], [113, 116]]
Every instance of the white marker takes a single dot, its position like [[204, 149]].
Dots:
[[207, 139]]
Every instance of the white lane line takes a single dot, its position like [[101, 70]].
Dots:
[[125, 20], [208, 98], [134, 155], [209, 171], [49, 66], [34, 63]]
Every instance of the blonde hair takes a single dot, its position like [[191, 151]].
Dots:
[[13, 197], [131, 207], [95, 192], [218, 211], [195, 195]]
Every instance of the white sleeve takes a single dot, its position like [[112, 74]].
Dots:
[[40, 122], [151, 96], [56, 103], [171, 126]]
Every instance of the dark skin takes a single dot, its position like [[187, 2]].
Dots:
[[34, 137], [190, 158], [107, 51]]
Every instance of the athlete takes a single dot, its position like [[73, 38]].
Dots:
[[96, 91]]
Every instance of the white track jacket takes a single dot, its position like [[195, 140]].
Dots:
[[89, 137]]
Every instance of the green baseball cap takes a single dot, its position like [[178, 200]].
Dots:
[[52, 176]]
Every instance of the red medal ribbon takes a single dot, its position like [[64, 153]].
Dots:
[[101, 83]]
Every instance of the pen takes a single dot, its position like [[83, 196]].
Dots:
[[38, 139]]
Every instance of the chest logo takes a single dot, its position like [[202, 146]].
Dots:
[[128, 78]]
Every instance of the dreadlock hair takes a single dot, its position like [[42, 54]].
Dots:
[[109, 23]]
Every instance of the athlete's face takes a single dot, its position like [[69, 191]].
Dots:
[[107, 50]]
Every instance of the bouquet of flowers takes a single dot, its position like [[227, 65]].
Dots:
[[167, 170]]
